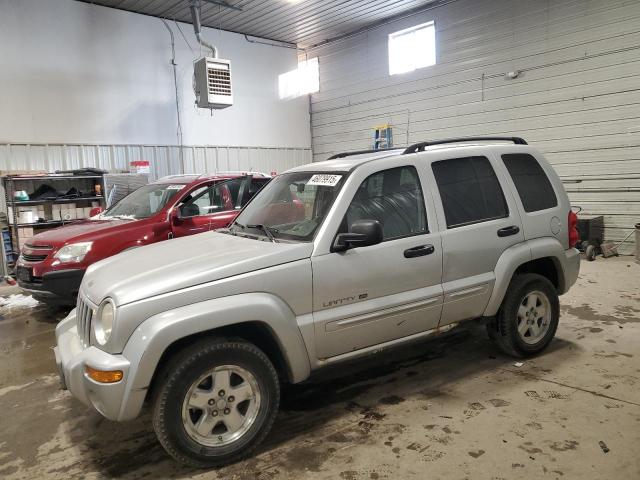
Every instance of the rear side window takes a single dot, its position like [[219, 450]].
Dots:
[[469, 190], [532, 183]]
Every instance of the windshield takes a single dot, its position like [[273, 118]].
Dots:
[[143, 202], [291, 207]]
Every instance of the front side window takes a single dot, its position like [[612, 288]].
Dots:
[[532, 184], [292, 206], [143, 202], [206, 200], [470, 191], [394, 198], [412, 48]]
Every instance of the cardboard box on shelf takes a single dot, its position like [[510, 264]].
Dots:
[[80, 212], [55, 211], [87, 212], [27, 214]]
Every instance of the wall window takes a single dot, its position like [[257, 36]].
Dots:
[[469, 190], [532, 183], [394, 198], [412, 48], [303, 80]]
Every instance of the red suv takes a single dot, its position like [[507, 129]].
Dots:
[[52, 263]]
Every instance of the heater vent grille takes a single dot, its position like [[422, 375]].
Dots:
[[219, 81]]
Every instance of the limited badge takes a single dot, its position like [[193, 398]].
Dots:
[[324, 180]]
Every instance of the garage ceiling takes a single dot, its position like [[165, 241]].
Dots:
[[302, 22]]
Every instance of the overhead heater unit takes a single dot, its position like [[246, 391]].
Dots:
[[213, 83]]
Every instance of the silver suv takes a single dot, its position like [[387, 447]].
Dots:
[[330, 261]]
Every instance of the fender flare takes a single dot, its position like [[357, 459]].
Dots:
[[150, 340], [517, 255]]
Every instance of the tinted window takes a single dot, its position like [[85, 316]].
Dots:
[[532, 183], [394, 198], [216, 198], [470, 191]]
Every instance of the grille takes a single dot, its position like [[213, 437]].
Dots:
[[30, 257], [219, 81], [38, 247], [38, 253], [84, 315]]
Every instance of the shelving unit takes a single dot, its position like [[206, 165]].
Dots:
[[30, 183]]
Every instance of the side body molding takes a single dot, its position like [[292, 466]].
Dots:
[[153, 336], [515, 256]]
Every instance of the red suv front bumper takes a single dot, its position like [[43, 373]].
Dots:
[[38, 274]]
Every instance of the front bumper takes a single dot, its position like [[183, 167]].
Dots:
[[60, 287], [114, 401]]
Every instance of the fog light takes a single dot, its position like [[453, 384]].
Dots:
[[101, 376]]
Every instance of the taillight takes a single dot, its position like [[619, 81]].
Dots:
[[574, 237]]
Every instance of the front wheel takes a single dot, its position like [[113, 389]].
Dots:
[[528, 317], [216, 401]]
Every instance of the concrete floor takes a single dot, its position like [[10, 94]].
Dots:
[[453, 407]]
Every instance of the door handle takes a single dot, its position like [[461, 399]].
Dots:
[[506, 231], [419, 251]]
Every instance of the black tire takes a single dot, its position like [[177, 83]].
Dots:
[[503, 329], [180, 374]]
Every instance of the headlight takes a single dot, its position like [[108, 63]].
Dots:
[[73, 253], [103, 323]]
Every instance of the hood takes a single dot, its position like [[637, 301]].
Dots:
[[84, 230], [183, 262]]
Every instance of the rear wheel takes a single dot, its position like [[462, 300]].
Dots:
[[216, 402], [528, 317]]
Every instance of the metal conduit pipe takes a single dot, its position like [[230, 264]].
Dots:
[[194, 6]]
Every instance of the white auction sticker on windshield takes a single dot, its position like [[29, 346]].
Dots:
[[324, 179], [174, 187]]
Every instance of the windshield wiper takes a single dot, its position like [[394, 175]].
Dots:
[[120, 217], [267, 230]]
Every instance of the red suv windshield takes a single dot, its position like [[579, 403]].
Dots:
[[143, 202]]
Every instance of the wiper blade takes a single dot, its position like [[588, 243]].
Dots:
[[119, 217], [267, 230]]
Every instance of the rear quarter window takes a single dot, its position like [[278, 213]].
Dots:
[[470, 191], [532, 183]]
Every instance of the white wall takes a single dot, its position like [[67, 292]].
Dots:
[[577, 99], [71, 72]]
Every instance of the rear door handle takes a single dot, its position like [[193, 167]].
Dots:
[[506, 231], [419, 251]]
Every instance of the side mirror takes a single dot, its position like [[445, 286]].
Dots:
[[363, 233], [176, 215], [95, 211]]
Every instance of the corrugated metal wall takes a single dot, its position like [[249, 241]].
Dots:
[[165, 159], [577, 98]]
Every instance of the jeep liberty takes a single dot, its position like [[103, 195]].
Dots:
[[393, 246]]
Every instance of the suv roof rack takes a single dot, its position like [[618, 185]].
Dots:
[[417, 147], [360, 152]]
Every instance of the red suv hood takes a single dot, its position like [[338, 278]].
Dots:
[[84, 230]]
